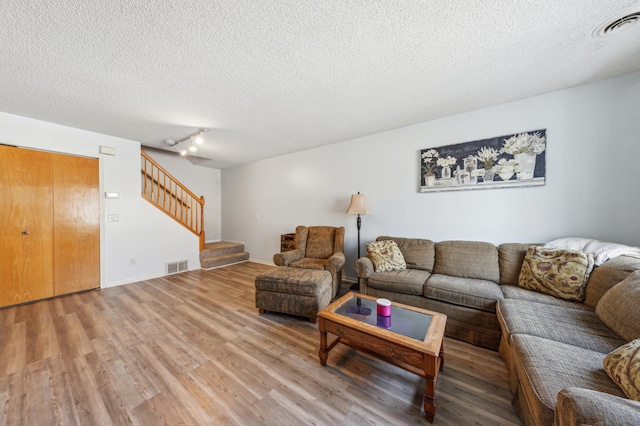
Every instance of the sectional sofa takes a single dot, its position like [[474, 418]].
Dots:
[[554, 348]]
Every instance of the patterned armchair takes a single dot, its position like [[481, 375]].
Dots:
[[317, 247]]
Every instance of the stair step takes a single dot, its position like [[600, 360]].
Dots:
[[225, 259], [220, 248]]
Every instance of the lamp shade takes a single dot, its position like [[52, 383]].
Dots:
[[358, 204]]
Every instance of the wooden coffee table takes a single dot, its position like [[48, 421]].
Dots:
[[411, 338]]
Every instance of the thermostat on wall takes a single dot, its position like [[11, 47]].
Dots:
[[111, 195]]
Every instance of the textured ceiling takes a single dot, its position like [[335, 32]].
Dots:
[[273, 77]]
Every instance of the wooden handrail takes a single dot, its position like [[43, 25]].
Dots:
[[167, 193]]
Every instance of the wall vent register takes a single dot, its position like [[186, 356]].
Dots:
[[176, 267]]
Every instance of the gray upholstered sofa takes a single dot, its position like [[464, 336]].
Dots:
[[553, 348]]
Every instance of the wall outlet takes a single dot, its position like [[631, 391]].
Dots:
[[132, 261]]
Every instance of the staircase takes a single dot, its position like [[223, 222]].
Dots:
[[176, 200], [172, 197], [222, 253]]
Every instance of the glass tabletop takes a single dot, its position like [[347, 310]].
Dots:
[[402, 321]]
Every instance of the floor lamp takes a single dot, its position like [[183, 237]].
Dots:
[[358, 206]]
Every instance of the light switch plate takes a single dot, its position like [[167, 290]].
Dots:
[[111, 195], [112, 217]]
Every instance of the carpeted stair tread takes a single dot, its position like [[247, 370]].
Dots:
[[220, 248], [225, 259]]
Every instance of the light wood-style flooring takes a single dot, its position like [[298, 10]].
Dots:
[[191, 349]]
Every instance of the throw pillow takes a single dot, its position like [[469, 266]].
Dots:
[[560, 273], [623, 366], [386, 256], [619, 307]]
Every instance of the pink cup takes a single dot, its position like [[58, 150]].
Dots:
[[384, 307]]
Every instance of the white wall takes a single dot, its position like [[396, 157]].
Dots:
[[143, 233], [593, 152], [202, 181]]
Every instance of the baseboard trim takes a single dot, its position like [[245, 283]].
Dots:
[[350, 280], [264, 262], [222, 266]]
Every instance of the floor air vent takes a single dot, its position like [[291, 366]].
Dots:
[[175, 267]]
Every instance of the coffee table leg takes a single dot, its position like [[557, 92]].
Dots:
[[324, 353], [429, 401], [431, 369]]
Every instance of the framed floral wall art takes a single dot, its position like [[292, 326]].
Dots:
[[504, 161]]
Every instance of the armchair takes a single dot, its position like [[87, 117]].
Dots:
[[317, 247]]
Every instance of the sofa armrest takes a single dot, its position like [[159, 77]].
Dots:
[[364, 267], [578, 406], [336, 262], [285, 258]]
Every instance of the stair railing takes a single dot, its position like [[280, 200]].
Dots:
[[164, 191]]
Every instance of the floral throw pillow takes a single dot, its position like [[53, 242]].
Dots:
[[623, 366], [386, 256], [560, 273]]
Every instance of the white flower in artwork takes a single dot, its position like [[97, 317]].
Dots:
[[428, 157], [447, 162], [524, 142], [430, 153], [507, 166], [488, 156]]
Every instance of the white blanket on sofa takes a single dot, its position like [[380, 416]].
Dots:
[[601, 251]]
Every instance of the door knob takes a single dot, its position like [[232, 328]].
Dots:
[[25, 232]]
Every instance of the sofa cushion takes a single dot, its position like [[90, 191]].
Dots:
[[623, 366], [467, 259], [510, 257], [418, 253], [407, 281], [545, 367], [577, 406], [386, 256], [305, 282], [577, 327], [470, 292], [619, 308], [560, 273], [320, 242], [515, 292], [607, 275], [310, 263]]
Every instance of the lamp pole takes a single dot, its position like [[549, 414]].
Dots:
[[359, 225]]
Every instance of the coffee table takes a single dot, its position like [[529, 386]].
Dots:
[[411, 338]]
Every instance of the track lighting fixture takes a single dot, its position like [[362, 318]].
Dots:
[[188, 143]]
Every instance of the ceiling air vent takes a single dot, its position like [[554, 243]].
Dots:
[[616, 23]]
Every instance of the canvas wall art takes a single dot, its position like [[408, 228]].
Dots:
[[505, 161]]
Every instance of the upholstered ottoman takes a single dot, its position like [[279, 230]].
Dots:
[[294, 291]]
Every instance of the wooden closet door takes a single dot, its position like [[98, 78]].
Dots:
[[76, 217], [26, 225]]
